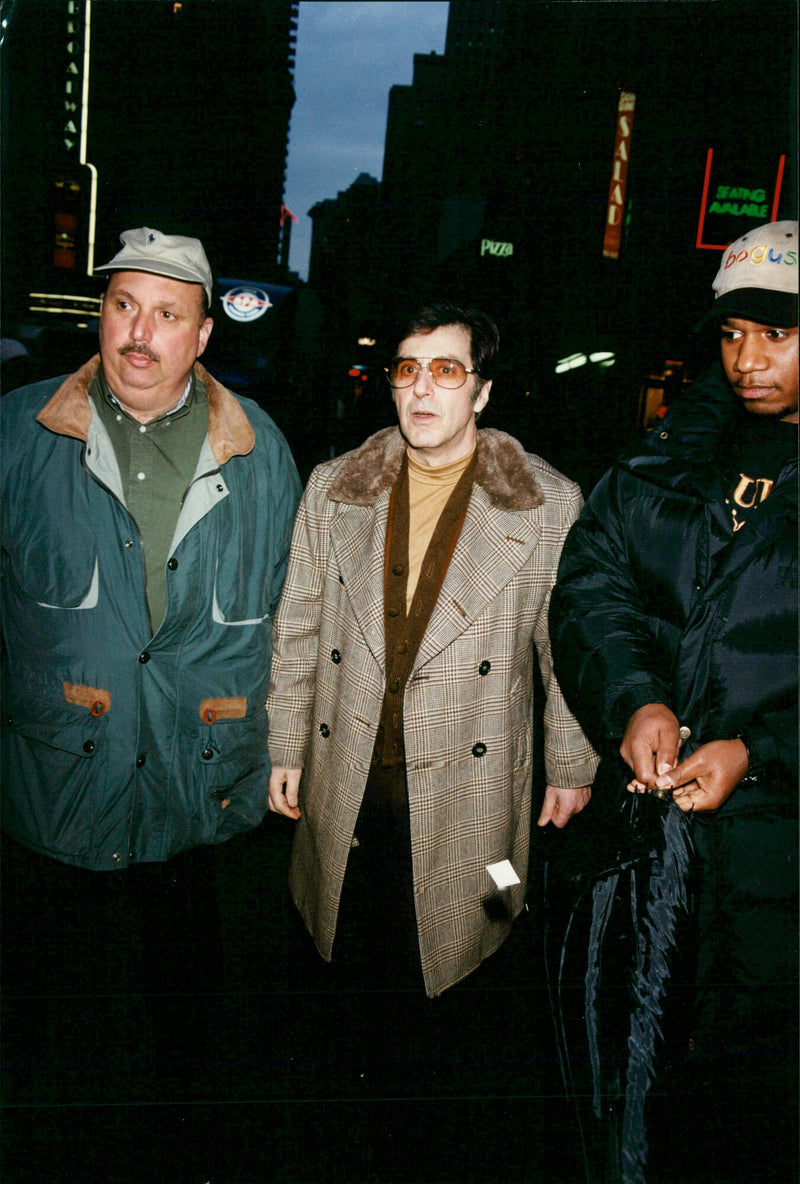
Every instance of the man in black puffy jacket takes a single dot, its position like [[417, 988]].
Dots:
[[674, 626]]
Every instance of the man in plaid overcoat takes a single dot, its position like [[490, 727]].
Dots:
[[401, 704]]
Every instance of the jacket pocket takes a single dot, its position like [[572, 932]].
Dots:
[[80, 600], [231, 768], [57, 577], [239, 598], [54, 761]]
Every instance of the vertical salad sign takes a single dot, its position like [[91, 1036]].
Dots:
[[612, 239]]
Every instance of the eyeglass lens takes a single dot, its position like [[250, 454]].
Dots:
[[446, 372]]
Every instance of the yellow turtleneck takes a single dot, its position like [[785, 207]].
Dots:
[[428, 491]]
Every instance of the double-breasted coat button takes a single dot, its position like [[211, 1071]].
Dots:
[[172, 564], [207, 754], [144, 657], [324, 730], [484, 668], [336, 656], [140, 761], [89, 747], [479, 749]]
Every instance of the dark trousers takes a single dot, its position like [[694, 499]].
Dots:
[[119, 984], [426, 1087], [144, 1018], [103, 974]]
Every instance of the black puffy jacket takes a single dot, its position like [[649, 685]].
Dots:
[[659, 601]]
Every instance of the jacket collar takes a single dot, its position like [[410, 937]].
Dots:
[[230, 432], [698, 421], [700, 426], [502, 470]]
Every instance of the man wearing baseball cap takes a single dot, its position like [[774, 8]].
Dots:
[[674, 626], [148, 515]]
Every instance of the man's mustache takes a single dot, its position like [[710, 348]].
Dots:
[[139, 348]]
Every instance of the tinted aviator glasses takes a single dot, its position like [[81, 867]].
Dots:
[[445, 372]]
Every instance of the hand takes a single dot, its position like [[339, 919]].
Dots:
[[560, 804], [708, 777], [650, 744], [284, 789]]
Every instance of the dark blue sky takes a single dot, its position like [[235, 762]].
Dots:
[[348, 56]]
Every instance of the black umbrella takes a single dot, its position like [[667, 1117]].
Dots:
[[619, 946]]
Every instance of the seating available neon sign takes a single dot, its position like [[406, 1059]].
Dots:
[[738, 201]]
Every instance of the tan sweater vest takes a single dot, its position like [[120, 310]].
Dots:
[[404, 630]]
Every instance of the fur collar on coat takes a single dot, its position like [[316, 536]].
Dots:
[[503, 470]]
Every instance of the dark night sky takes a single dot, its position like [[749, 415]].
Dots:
[[348, 56]]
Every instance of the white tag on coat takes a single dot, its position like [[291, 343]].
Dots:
[[503, 873]]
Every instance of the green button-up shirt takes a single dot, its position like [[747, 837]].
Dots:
[[157, 461]]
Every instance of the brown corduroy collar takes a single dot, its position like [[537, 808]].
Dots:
[[230, 432]]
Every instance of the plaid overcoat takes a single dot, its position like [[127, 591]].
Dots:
[[468, 705]]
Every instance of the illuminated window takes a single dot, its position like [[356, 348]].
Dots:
[[570, 363]]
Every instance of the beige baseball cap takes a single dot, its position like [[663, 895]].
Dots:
[[757, 279], [170, 255]]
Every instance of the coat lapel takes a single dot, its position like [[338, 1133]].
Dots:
[[497, 539], [358, 539], [493, 546]]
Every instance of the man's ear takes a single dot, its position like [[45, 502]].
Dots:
[[204, 334], [483, 397]]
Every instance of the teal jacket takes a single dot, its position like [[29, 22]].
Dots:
[[121, 746]]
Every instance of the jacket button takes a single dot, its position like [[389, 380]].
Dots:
[[484, 668], [128, 543], [324, 730], [479, 749], [89, 747], [336, 656], [172, 564], [140, 761], [144, 657], [207, 754]]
